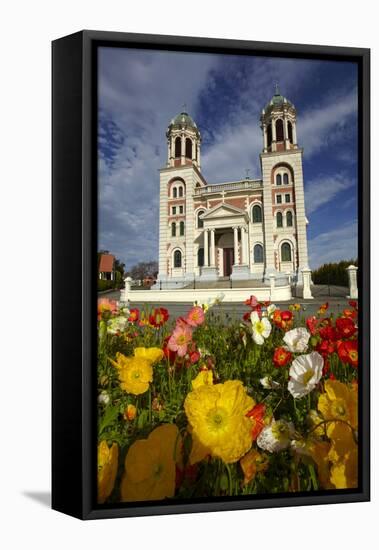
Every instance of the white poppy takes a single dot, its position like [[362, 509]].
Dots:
[[270, 310], [276, 436], [117, 324], [269, 384], [261, 328], [104, 398], [297, 340], [305, 373]]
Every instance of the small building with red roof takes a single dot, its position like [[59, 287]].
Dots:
[[106, 267]]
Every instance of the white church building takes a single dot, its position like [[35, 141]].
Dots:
[[242, 230]]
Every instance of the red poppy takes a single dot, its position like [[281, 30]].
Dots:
[[246, 316], [282, 357], [328, 333], [325, 347], [158, 317], [282, 319], [345, 327], [348, 352], [323, 308], [350, 313], [133, 315], [252, 301], [312, 323], [353, 304], [256, 415]]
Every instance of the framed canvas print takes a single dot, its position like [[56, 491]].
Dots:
[[210, 275]]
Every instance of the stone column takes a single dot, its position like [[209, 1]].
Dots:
[[243, 245], [294, 136], [206, 256], [235, 229], [286, 140], [183, 157], [212, 259], [307, 294], [264, 138], [353, 286], [126, 290], [198, 155], [273, 128]]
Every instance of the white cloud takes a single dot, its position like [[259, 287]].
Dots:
[[323, 126], [332, 246], [322, 189]]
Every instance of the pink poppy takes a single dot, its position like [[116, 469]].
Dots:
[[180, 339], [195, 316]]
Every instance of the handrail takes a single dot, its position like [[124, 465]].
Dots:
[[230, 186]]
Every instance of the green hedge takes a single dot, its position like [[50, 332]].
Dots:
[[333, 274]]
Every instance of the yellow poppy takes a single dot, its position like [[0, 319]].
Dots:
[[204, 377], [150, 466], [339, 402], [218, 421], [151, 354], [135, 373], [107, 462]]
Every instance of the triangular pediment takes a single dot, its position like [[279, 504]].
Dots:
[[223, 210]]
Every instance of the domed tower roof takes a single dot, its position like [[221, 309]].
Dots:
[[183, 120], [278, 100]]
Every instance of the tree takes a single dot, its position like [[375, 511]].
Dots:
[[143, 270]]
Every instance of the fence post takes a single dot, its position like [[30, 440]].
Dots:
[[272, 286], [353, 287], [307, 294], [126, 290]]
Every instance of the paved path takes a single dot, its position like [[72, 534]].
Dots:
[[235, 311]]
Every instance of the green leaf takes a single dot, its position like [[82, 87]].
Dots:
[[109, 417]]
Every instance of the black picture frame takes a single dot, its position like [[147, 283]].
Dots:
[[74, 206]]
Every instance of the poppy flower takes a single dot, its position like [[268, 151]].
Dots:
[[195, 316], [345, 327], [350, 313], [252, 302], [256, 415], [282, 319], [158, 317], [281, 357], [353, 304], [180, 339], [323, 308], [348, 352], [328, 333], [312, 323], [133, 315], [325, 347]]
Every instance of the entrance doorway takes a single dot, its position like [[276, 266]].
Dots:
[[228, 261]]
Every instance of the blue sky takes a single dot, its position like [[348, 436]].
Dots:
[[140, 91]]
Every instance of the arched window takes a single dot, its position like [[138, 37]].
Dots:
[[173, 229], [180, 191], [290, 134], [175, 192], [258, 254], [279, 130], [269, 135], [177, 258], [286, 253], [289, 219], [278, 179], [200, 257], [257, 214], [178, 147], [285, 178], [200, 223], [188, 148], [181, 229], [279, 219]]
